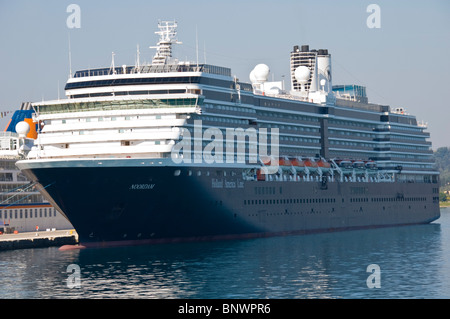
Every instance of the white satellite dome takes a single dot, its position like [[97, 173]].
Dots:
[[252, 76], [22, 128], [275, 90], [302, 74], [261, 72]]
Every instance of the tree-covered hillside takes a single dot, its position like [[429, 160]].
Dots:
[[442, 157]]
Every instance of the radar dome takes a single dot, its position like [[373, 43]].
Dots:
[[302, 74], [22, 128], [261, 72], [252, 76]]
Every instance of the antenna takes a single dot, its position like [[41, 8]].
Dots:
[[138, 57], [204, 52], [113, 67], [70, 59], [167, 36], [196, 43]]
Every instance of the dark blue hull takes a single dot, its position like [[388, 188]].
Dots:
[[109, 204], [148, 204]]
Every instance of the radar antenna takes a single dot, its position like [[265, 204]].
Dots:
[[167, 36]]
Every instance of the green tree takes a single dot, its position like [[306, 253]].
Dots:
[[442, 160]]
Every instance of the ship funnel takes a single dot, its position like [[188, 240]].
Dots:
[[324, 69], [319, 64], [302, 75]]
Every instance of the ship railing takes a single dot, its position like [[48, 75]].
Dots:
[[17, 191], [422, 124], [329, 178], [337, 169], [21, 199], [156, 68], [282, 95], [8, 134]]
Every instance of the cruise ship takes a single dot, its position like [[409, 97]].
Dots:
[[180, 151], [22, 206]]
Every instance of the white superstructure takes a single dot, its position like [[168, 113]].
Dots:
[[141, 111]]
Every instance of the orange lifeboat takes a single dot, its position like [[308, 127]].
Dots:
[[310, 163], [283, 161], [266, 160], [260, 176], [297, 162], [323, 164]]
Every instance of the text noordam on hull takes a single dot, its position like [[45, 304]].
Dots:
[[184, 151]]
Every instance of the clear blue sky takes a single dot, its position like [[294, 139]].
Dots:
[[404, 63]]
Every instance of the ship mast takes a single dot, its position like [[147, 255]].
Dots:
[[167, 36]]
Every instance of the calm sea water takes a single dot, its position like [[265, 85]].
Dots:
[[414, 262]]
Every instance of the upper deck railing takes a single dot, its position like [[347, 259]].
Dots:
[[161, 68]]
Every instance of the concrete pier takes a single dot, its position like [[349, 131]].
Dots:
[[38, 239]]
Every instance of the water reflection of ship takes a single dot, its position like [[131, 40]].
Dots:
[[327, 265]]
